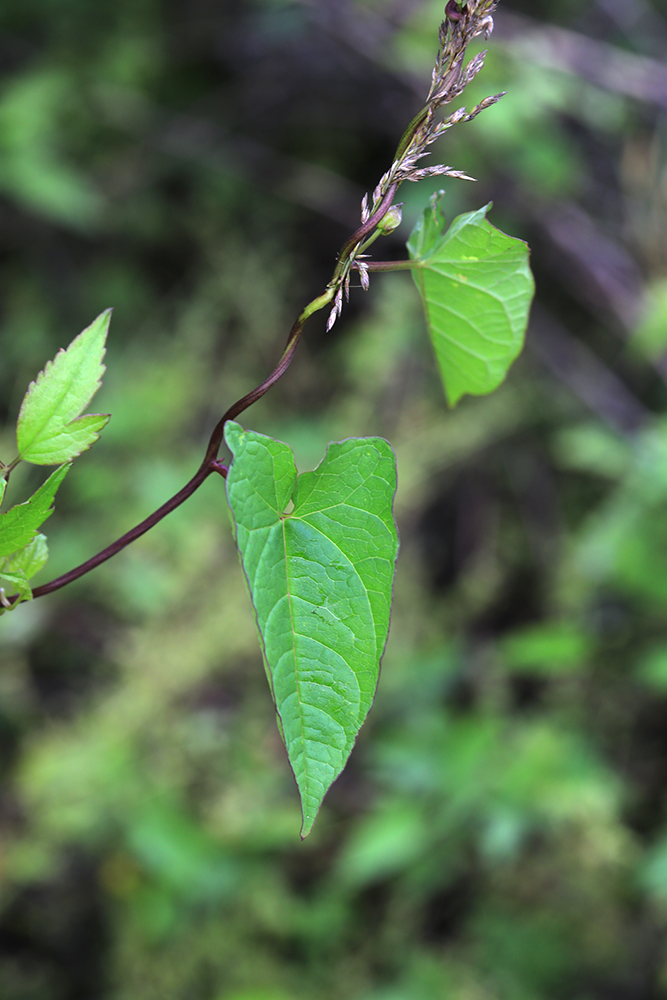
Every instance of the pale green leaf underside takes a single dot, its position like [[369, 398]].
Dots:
[[28, 560], [19, 524], [477, 287], [321, 579], [18, 568], [50, 430], [17, 582]]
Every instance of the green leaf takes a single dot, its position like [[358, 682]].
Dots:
[[3, 487], [19, 524], [50, 430], [18, 568], [28, 560], [20, 586], [477, 287], [320, 578]]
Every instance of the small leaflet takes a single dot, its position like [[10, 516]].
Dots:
[[321, 580], [477, 287], [19, 584], [50, 430], [20, 567], [28, 560], [19, 524]]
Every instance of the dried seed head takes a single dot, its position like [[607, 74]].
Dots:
[[438, 170], [337, 307], [380, 190], [486, 27], [452, 11], [464, 20], [333, 316], [474, 66]]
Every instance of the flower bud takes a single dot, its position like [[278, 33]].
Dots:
[[391, 220]]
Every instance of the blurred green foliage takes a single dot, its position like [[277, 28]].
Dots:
[[500, 832]]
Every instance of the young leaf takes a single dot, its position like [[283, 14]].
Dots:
[[19, 524], [320, 578], [3, 487], [19, 584], [477, 287], [28, 560], [18, 568], [50, 430]]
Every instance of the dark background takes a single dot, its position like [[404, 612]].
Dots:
[[500, 832]]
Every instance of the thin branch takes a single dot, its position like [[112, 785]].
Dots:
[[202, 473], [449, 78], [209, 465], [365, 229], [251, 397]]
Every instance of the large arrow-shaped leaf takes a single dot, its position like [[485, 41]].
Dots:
[[320, 578], [477, 287]]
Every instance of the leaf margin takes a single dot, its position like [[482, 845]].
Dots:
[[37, 445]]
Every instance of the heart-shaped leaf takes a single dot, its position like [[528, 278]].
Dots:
[[477, 287], [321, 578]]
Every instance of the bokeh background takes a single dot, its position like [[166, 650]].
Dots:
[[500, 832]]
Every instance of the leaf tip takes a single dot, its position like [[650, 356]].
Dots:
[[307, 821]]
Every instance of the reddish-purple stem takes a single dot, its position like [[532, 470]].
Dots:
[[211, 462], [369, 225], [209, 465], [61, 581]]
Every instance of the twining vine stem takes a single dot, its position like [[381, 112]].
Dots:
[[211, 463], [463, 22]]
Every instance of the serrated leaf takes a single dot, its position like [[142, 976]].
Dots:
[[3, 487], [477, 287], [320, 577], [19, 524], [50, 430]]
